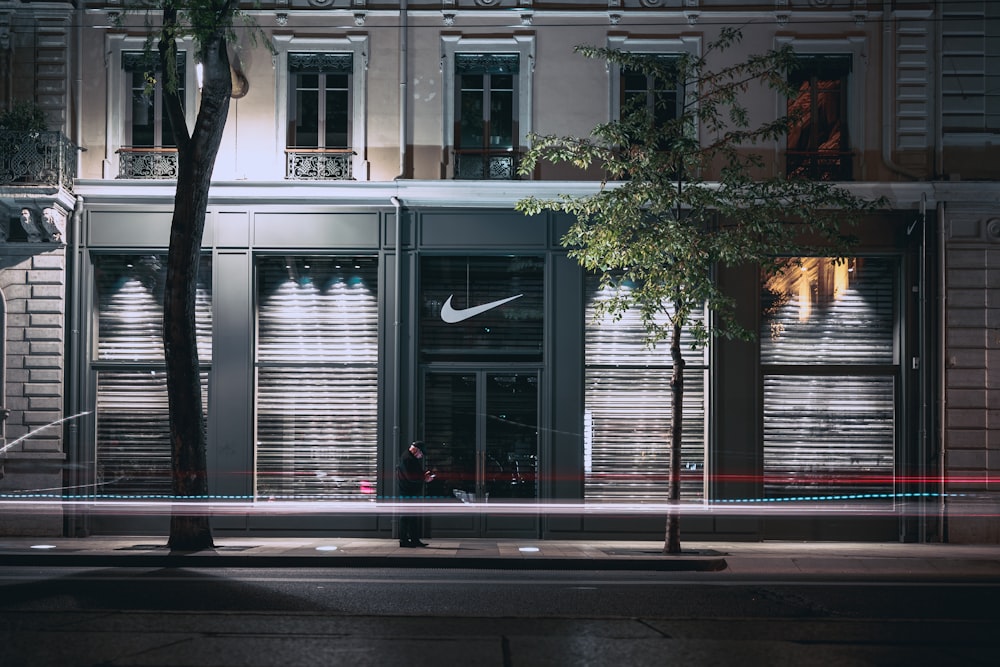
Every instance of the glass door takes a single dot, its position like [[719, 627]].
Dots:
[[480, 429]]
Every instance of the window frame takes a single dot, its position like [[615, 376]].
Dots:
[[831, 369], [653, 47], [322, 89], [357, 46], [119, 94], [856, 47], [451, 45], [148, 451]]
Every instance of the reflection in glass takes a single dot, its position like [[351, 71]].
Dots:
[[481, 435], [819, 310]]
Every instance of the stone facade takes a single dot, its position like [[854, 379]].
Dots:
[[33, 289], [971, 382]]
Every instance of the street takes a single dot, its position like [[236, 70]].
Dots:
[[117, 617]]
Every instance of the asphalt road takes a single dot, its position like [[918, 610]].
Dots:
[[245, 617]]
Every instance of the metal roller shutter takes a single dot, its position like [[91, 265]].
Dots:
[[132, 451], [317, 378], [627, 415], [828, 349]]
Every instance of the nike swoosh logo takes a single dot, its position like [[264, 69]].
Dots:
[[453, 315]]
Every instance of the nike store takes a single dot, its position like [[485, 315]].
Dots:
[[324, 351]]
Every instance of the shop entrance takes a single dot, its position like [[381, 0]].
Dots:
[[480, 432]]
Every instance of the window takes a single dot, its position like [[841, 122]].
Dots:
[[819, 146], [133, 421], [319, 116], [146, 118], [487, 104], [148, 149], [486, 115], [659, 97], [317, 378], [627, 410], [827, 347], [321, 107]]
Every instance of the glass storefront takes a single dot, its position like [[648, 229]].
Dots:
[[501, 366], [830, 369], [133, 447], [626, 436], [317, 378]]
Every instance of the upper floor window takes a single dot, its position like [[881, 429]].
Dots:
[[486, 115], [147, 143], [487, 104], [657, 94], [146, 119], [320, 105], [819, 144]]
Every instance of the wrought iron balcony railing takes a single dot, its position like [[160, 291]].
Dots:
[[820, 165], [147, 163], [478, 164], [37, 158], [319, 164]]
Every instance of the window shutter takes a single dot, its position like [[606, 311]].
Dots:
[[627, 414], [317, 378]]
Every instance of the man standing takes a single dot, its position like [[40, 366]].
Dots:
[[411, 475]]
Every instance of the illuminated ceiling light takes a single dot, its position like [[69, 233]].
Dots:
[[43, 546], [528, 550], [326, 547]]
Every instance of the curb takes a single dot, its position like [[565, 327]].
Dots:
[[216, 560]]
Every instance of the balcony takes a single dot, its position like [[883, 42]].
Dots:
[[492, 165], [37, 158], [319, 164], [147, 163], [820, 165]]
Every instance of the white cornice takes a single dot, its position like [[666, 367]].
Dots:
[[466, 194]]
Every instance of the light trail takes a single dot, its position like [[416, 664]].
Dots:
[[882, 505], [41, 428]]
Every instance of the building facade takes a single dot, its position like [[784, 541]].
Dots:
[[366, 280]]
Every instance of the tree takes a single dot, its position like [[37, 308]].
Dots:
[[657, 234], [211, 24]]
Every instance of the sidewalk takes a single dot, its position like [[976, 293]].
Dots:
[[857, 559]]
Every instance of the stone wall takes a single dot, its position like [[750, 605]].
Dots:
[[972, 372], [33, 291]]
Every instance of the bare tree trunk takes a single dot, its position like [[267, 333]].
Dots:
[[190, 531], [672, 544]]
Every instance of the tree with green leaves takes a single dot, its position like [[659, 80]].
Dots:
[[685, 192], [212, 25]]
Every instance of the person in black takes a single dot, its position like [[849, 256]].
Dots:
[[411, 475]]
